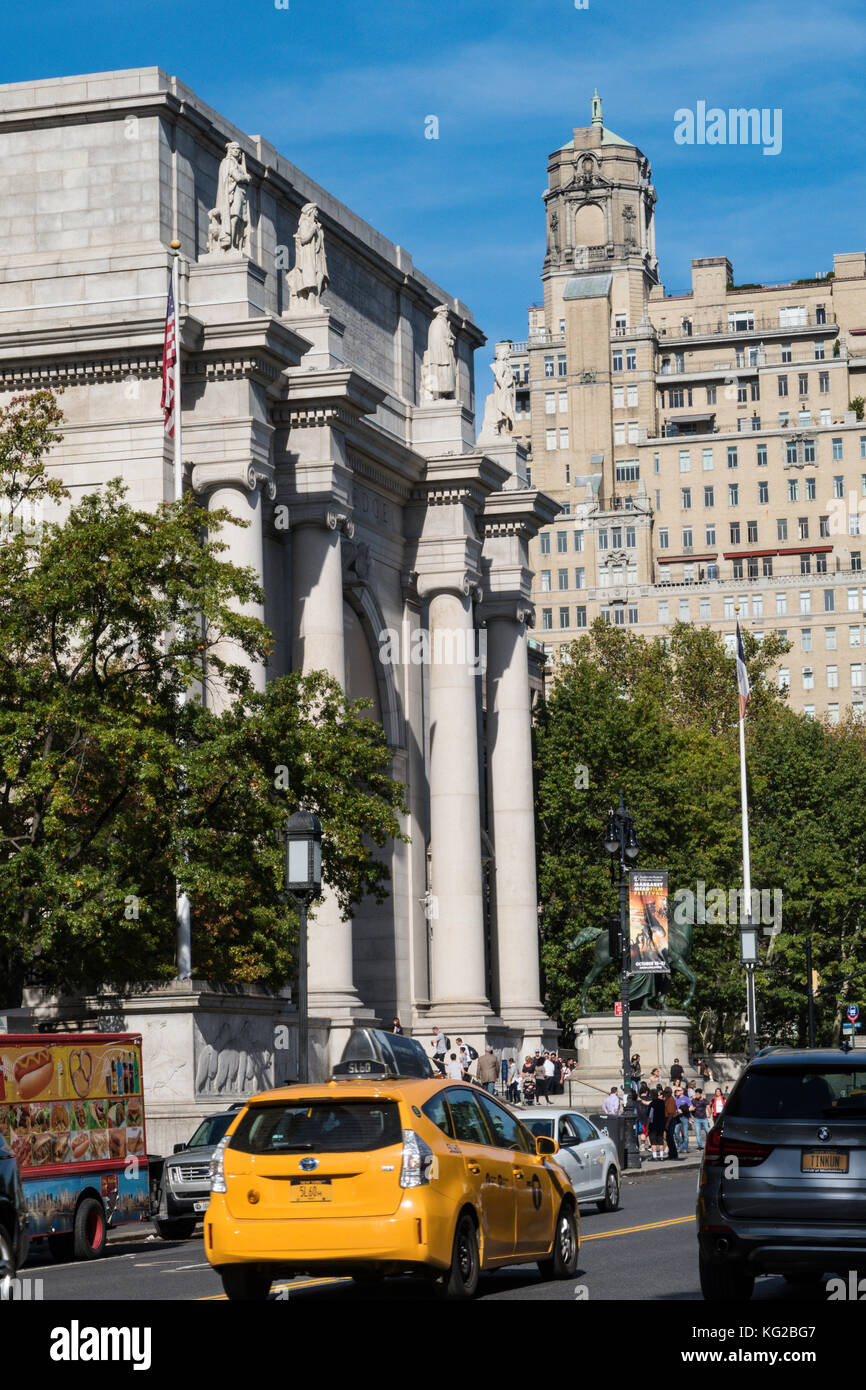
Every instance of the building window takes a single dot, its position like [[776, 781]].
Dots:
[[806, 601], [837, 450], [782, 529], [627, 472], [824, 383], [562, 579], [545, 581], [829, 600], [563, 438], [617, 360], [783, 385], [709, 497], [752, 532], [712, 571], [784, 419], [819, 352], [631, 396], [562, 541], [732, 456], [631, 359], [620, 324], [707, 460], [563, 402], [687, 538], [737, 569], [578, 540], [705, 609], [832, 677], [632, 613], [838, 486], [786, 352], [580, 616], [804, 418], [548, 366], [550, 402], [767, 566], [832, 714], [685, 612], [781, 605], [602, 540], [664, 543], [830, 638], [808, 451], [784, 678], [546, 619], [564, 617], [686, 498], [808, 678], [820, 564], [805, 564], [763, 492], [742, 392], [711, 395], [762, 455], [550, 439], [630, 537], [810, 490], [561, 366], [619, 432], [619, 398], [806, 639], [825, 419], [685, 461], [545, 542], [802, 528], [855, 560], [854, 636], [733, 494], [579, 579], [619, 614], [856, 674], [803, 383], [656, 464], [688, 574], [735, 533], [664, 614], [729, 605], [605, 614], [793, 490]]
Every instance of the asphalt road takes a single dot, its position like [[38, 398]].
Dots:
[[644, 1252]]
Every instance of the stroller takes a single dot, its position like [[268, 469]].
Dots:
[[529, 1090]]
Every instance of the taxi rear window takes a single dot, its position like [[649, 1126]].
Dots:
[[318, 1127]]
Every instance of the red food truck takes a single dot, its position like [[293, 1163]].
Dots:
[[72, 1112]]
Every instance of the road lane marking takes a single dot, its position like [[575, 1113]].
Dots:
[[276, 1288], [632, 1230]]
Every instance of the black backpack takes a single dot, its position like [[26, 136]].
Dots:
[[473, 1055]]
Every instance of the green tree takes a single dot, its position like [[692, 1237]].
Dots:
[[111, 787]]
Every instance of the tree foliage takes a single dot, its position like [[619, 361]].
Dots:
[[660, 721], [113, 786]]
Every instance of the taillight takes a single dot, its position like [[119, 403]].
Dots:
[[719, 1149], [217, 1171], [417, 1160]]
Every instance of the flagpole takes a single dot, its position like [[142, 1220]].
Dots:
[[184, 932], [747, 860]]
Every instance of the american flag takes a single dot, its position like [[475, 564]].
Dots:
[[743, 686], [169, 357]]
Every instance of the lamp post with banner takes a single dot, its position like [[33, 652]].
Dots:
[[303, 883], [620, 840]]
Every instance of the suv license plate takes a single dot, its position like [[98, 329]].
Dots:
[[200, 1206], [302, 1190], [823, 1161]]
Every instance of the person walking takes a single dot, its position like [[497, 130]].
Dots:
[[487, 1070], [703, 1074], [513, 1087], [611, 1103], [671, 1124], [718, 1103], [549, 1077], [540, 1080], [527, 1073], [684, 1111], [635, 1068], [558, 1087], [396, 1027], [454, 1069], [657, 1124], [702, 1123], [439, 1046], [642, 1118], [677, 1072]]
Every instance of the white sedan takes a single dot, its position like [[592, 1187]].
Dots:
[[588, 1157]]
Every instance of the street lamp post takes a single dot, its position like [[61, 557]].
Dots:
[[303, 883], [749, 958], [620, 839]]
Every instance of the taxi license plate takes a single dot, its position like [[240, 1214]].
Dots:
[[200, 1206], [823, 1161], [302, 1190]]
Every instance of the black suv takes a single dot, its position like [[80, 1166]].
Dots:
[[13, 1216], [180, 1190], [783, 1180]]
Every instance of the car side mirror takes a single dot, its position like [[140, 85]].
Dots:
[[545, 1147], [568, 1141], [178, 1148]]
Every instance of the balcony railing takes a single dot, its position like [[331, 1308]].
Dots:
[[721, 328]]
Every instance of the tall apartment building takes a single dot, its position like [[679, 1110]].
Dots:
[[702, 446]]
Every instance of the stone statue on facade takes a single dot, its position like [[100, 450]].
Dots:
[[308, 277], [499, 406], [229, 220], [643, 986], [439, 365]]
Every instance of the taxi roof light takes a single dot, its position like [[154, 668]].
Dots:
[[371, 1053]]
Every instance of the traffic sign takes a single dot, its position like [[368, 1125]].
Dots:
[[853, 1012], [617, 1009]]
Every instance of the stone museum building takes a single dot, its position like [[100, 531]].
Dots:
[[705, 448], [328, 402]]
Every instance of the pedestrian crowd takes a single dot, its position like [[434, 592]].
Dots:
[[664, 1115], [540, 1076]]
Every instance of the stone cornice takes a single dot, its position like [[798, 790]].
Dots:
[[232, 473], [338, 396], [522, 513], [459, 479]]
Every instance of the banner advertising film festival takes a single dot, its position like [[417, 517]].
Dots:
[[648, 922]]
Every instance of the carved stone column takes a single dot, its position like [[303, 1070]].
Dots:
[[237, 489], [457, 958]]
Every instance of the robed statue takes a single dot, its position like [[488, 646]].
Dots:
[[499, 407], [309, 275], [439, 366], [229, 219]]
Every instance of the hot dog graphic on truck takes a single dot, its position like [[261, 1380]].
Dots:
[[72, 1112]]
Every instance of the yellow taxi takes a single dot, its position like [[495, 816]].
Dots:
[[386, 1169]]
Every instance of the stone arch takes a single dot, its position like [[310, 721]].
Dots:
[[364, 607], [590, 225]]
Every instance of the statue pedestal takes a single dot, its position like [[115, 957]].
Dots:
[[226, 284], [658, 1037], [442, 427], [509, 454]]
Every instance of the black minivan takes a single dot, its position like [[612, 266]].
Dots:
[[783, 1180]]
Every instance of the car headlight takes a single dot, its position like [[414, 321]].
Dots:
[[417, 1160], [217, 1175]]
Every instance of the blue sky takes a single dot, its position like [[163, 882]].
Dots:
[[342, 88]]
